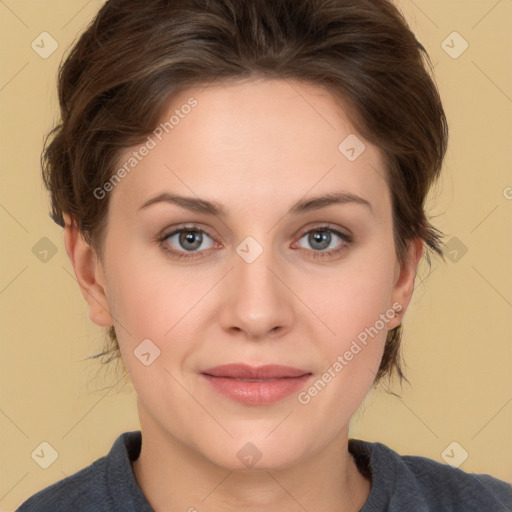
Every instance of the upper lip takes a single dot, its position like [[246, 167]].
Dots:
[[245, 371]]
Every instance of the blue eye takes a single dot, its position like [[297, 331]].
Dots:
[[321, 238], [188, 242]]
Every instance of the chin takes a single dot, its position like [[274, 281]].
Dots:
[[244, 455]]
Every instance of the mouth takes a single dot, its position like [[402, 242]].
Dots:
[[255, 385]]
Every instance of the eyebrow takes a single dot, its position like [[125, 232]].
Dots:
[[213, 208]]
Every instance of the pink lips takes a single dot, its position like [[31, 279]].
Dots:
[[255, 385]]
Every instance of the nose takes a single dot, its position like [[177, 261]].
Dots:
[[256, 301]]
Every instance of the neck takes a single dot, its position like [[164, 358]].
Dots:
[[174, 476]]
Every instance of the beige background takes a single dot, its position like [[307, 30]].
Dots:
[[457, 331]]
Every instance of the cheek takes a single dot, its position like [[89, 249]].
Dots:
[[146, 307], [143, 295], [356, 308], [355, 305], [353, 299]]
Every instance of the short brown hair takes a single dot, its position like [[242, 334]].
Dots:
[[116, 80]]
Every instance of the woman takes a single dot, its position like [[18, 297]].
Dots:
[[242, 186]]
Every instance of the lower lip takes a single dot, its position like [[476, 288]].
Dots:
[[257, 392]]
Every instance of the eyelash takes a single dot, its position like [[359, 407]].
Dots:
[[179, 255]]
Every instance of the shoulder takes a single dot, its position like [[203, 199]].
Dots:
[[84, 490], [402, 481], [108, 484], [447, 485]]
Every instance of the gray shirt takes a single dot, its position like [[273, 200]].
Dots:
[[399, 483]]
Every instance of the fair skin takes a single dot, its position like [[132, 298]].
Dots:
[[255, 147]]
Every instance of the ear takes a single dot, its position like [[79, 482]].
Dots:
[[88, 272], [405, 276]]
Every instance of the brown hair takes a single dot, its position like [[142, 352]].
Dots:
[[115, 82]]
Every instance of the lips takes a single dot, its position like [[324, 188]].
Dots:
[[255, 385], [246, 372]]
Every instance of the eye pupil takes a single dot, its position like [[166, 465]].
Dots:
[[321, 237], [188, 237]]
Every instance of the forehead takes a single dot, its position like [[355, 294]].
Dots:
[[256, 141]]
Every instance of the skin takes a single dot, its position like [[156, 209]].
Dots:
[[256, 147]]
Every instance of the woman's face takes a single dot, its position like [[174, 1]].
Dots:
[[264, 283]]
